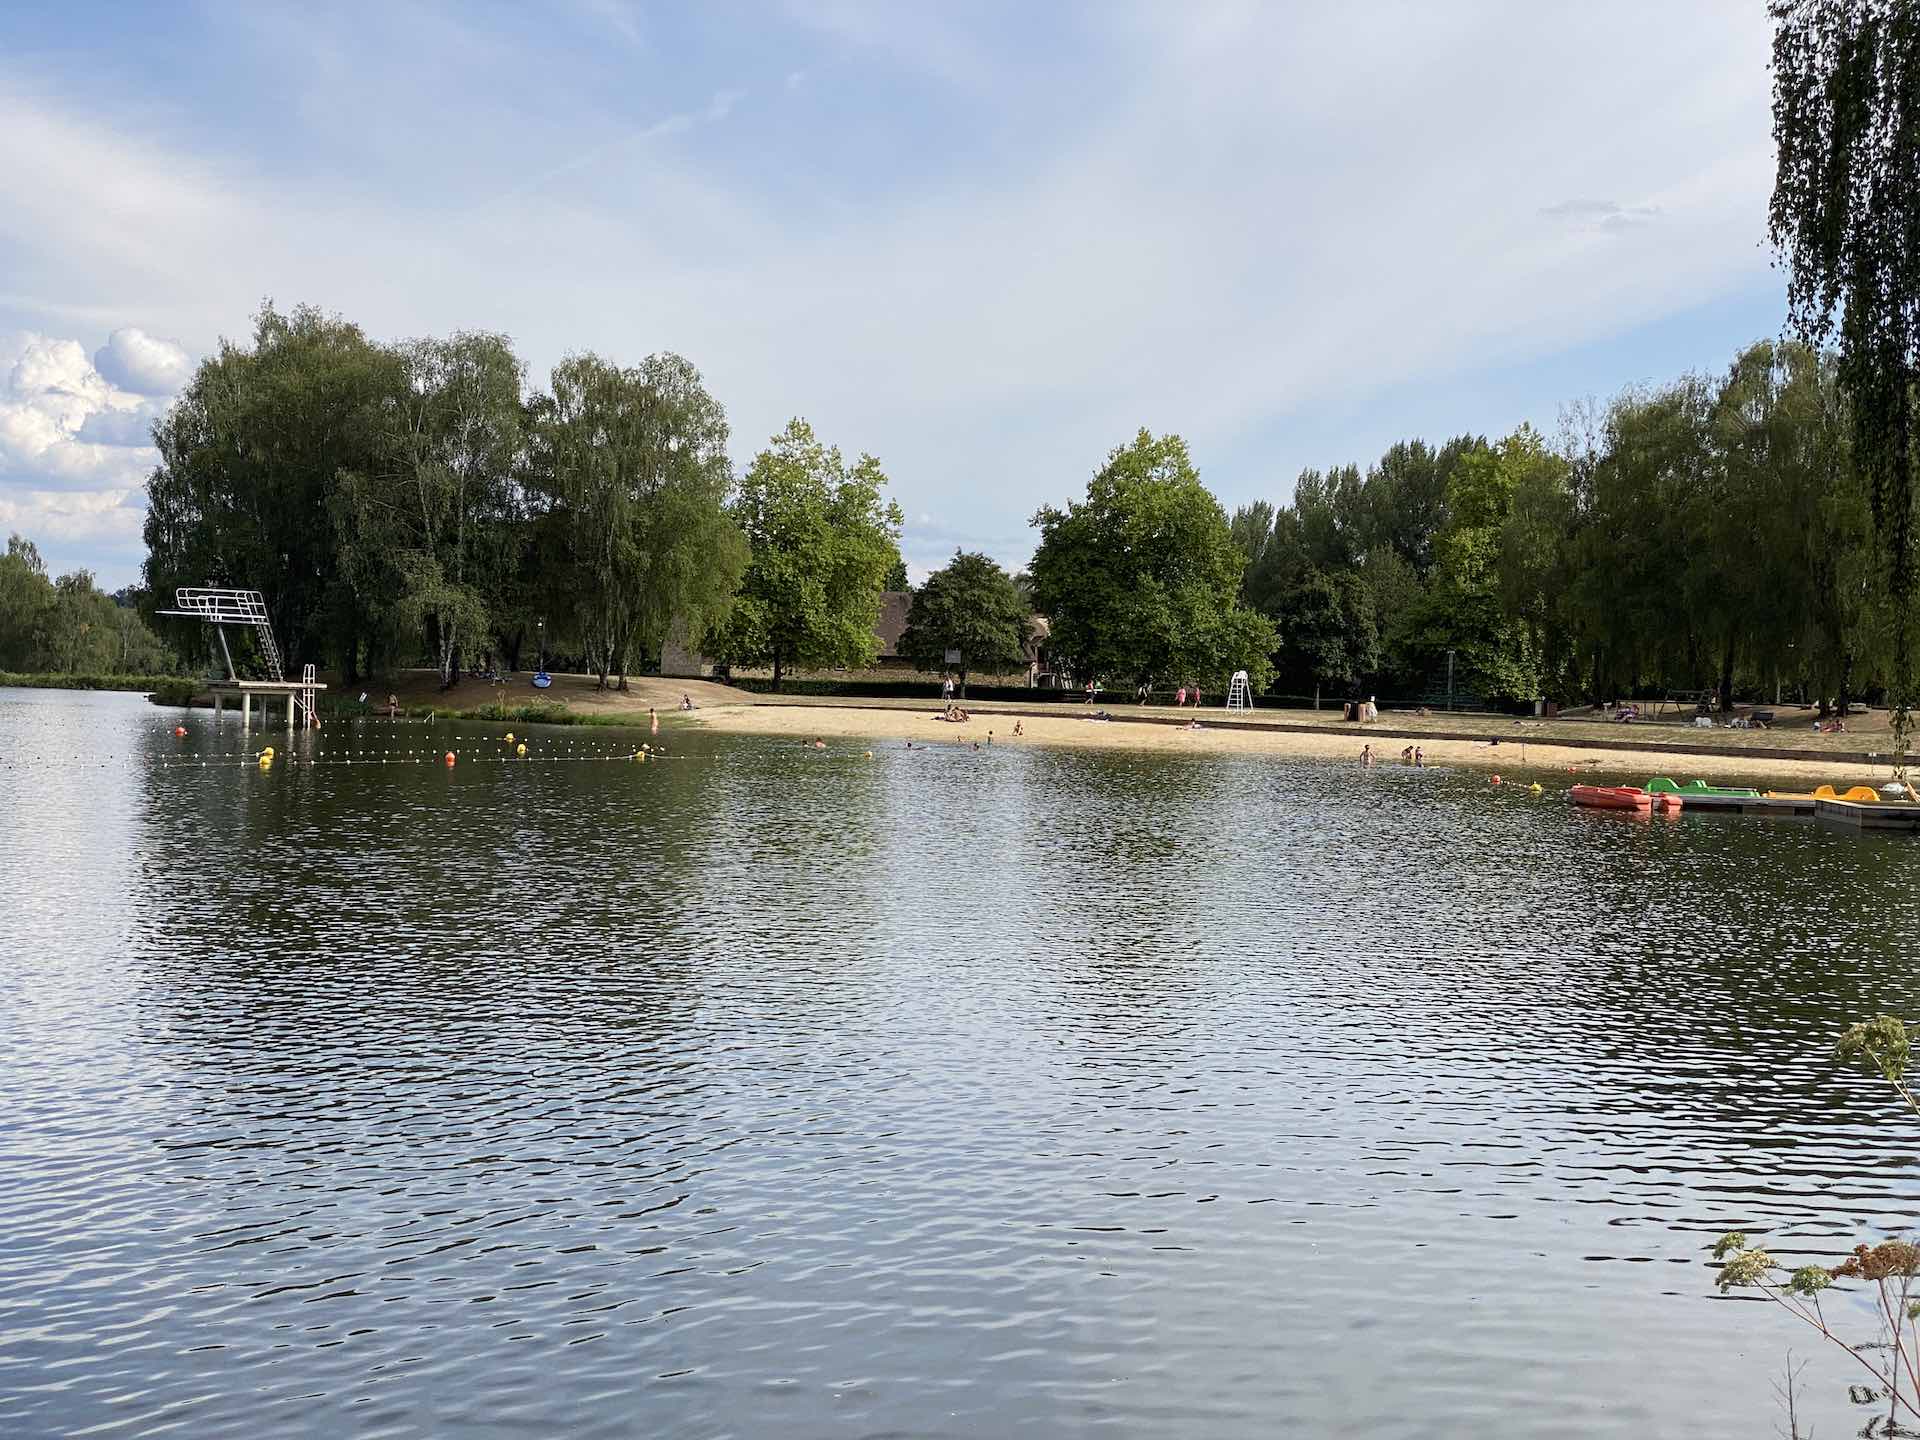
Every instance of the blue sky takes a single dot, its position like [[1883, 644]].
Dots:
[[984, 242]]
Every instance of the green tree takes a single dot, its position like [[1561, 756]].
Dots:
[[634, 466], [1396, 600], [897, 575], [1141, 580], [970, 606], [68, 625], [1465, 611], [26, 606], [1846, 214], [1328, 634], [821, 540], [427, 538], [250, 454]]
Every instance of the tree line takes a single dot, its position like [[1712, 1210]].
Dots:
[[1712, 534], [394, 501], [69, 625]]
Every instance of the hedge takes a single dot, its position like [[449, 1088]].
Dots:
[[53, 680]]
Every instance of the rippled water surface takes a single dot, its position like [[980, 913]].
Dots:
[[761, 1091]]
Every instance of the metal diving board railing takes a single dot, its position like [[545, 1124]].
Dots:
[[232, 607]]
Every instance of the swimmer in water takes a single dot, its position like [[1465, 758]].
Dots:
[[1366, 757]]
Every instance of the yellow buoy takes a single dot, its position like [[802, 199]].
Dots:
[[519, 749], [509, 737]]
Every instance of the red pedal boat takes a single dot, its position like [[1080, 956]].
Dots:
[[1612, 797]]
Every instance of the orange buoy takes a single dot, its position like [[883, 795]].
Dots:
[[179, 731], [449, 758], [1496, 780]]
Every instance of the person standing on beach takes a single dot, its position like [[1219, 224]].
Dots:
[[946, 688]]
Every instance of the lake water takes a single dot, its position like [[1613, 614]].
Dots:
[[765, 1092]]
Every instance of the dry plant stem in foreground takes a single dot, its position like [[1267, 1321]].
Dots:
[[1892, 1266]]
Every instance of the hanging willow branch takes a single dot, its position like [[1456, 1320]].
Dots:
[[1845, 217]]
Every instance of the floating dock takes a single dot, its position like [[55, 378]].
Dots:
[[1853, 815], [1779, 805]]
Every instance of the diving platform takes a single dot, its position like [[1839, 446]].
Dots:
[[248, 693], [220, 608]]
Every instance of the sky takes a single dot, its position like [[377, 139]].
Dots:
[[984, 242]]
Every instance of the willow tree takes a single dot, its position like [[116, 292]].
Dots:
[[427, 535], [1846, 217], [634, 466]]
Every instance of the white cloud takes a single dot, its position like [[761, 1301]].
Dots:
[[74, 455], [63, 425], [141, 363], [102, 524]]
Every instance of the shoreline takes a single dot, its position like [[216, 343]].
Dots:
[[1527, 749], [1483, 742]]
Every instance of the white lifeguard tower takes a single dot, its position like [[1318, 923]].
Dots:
[[221, 608], [1240, 692]]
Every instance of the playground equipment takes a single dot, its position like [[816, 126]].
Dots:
[[221, 608]]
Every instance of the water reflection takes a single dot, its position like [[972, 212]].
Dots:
[[765, 1090]]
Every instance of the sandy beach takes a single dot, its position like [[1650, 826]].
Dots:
[[1559, 744], [1518, 748]]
